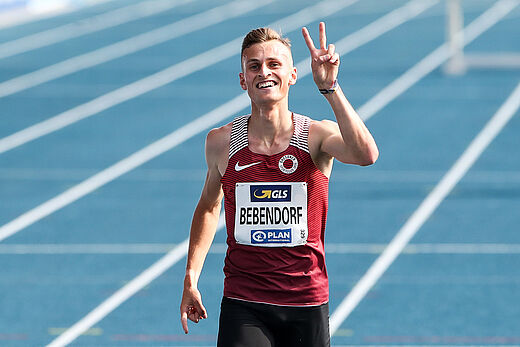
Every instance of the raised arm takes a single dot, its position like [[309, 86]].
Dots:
[[348, 140], [203, 228]]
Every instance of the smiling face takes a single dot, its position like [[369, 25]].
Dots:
[[267, 72]]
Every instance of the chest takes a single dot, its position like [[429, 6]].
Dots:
[[278, 146], [287, 166]]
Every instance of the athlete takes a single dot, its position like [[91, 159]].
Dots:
[[272, 169]]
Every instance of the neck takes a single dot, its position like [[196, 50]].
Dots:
[[270, 121]]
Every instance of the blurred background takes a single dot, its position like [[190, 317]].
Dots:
[[104, 109]]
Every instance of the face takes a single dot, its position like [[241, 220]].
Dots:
[[268, 72]]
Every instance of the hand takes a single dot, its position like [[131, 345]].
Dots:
[[325, 61], [191, 307]]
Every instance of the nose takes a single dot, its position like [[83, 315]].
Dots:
[[264, 71]]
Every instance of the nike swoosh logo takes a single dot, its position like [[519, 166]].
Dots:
[[240, 168]]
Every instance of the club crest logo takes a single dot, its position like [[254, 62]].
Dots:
[[288, 164]]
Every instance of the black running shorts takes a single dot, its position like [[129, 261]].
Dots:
[[248, 324]]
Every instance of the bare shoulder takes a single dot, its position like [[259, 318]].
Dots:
[[321, 127], [318, 131], [217, 147], [218, 138]]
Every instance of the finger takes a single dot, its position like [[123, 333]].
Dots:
[[323, 36], [194, 317], [323, 59], [331, 50], [193, 314], [334, 59], [184, 321], [201, 311], [308, 39]]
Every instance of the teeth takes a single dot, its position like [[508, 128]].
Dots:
[[266, 84]]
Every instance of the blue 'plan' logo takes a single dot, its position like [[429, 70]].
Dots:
[[271, 236], [270, 193]]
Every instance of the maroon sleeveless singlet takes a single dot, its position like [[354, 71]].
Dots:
[[276, 208]]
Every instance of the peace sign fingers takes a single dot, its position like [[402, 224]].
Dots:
[[323, 36], [310, 43], [324, 60], [308, 40]]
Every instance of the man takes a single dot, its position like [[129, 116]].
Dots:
[[272, 168]]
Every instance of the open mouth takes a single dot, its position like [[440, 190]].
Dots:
[[266, 84]]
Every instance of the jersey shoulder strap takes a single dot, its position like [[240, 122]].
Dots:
[[300, 138], [238, 138]]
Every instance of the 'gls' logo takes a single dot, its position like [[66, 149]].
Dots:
[[270, 193]]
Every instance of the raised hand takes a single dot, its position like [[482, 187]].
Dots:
[[325, 60]]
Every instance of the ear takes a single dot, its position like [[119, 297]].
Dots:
[[242, 81], [294, 77]]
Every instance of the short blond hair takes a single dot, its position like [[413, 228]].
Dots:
[[260, 35]]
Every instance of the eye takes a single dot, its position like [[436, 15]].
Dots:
[[253, 66], [275, 64]]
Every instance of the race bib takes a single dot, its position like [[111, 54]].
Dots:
[[271, 214]]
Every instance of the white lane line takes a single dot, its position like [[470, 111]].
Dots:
[[25, 15], [433, 60], [116, 299], [87, 26], [134, 44], [121, 248], [427, 248], [220, 248], [161, 78], [480, 177], [69, 174], [153, 150], [426, 208]]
